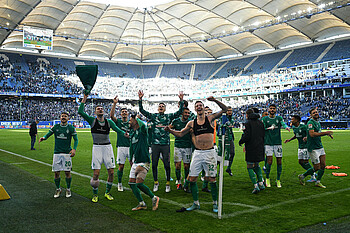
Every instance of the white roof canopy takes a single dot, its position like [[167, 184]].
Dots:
[[180, 29]]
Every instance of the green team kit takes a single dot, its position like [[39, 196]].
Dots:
[[139, 144], [185, 141], [63, 138], [300, 133], [159, 121], [273, 136], [121, 140], [314, 143]]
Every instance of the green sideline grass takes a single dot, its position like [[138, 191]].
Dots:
[[289, 208]]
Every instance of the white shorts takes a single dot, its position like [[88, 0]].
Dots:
[[204, 159], [122, 154], [302, 154], [273, 150], [61, 162], [182, 154], [132, 174], [315, 155], [102, 154]]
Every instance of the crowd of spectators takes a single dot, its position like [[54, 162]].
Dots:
[[330, 108]]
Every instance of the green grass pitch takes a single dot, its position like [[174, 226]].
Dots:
[[274, 210]]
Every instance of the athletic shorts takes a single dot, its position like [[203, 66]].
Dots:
[[61, 162], [182, 154], [302, 154], [132, 174], [273, 150], [315, 155], [102, 154], [204, 159], [122, 154]]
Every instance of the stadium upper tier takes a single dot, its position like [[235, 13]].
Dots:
[[26, 73], [179, 30], [254, 64]]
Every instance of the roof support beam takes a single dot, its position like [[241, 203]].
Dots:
[[184, 34], [171, 47]]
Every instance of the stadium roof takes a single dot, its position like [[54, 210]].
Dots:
[[177, 30]]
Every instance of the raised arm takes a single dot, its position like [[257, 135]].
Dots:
[[181, 133], [115, 101], [143, 111], [217, 114], [81, 112], [178, 112]]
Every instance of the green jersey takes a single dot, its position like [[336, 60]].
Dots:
[[300, 132], [313, 143], [185, 141], [229, 136], [122, 141], [159, 121], [63, 138], [273, 136], [138, 144]]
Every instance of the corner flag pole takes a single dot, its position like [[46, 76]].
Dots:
[[222, 159]]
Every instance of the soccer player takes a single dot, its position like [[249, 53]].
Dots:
[[273, 143], [315, 148], [63, 153], [183, 147], [123, 143], [160, 138], [300, 133], [204, 156], [253, 138], [229, 137], [141, 163], [102, 150], [33, 131]]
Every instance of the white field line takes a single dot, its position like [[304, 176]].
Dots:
[[103, 181], [231, 215]]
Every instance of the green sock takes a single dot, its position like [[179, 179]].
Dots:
[[178, 174], [187, 171], [320, 174], [120, 176], [186, 183], [279, 171], [136, 191], [205, 184], [144, 188], [306, 166], [108, 186], [68, 181], [214, 191], [57, 182], [95, 191], [194, 191], [310, 171], [258, 173], [252, 175], [268, 169], [265, 161]]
